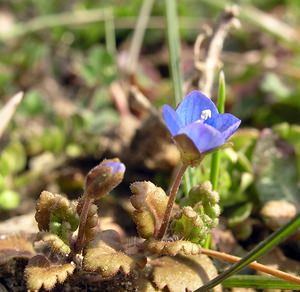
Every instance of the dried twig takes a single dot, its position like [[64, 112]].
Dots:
[[254, 265], [138, 35], [8, 111], [208, 62]]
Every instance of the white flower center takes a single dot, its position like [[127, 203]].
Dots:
[[206, 114]]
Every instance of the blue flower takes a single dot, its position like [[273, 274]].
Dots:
[[197, 127], [117, 167]]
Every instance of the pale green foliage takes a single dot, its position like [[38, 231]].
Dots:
[[195, 222], [56, 214], [275, 169]]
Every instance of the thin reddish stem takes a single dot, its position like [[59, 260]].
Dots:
[[172, 196], [83, 218]]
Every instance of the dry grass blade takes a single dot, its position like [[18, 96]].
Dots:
[[8, 111], [207, 63]]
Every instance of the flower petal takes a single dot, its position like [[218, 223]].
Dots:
[[204, 136], [190, 109], [227, 124], [172, 120], [116, 166]]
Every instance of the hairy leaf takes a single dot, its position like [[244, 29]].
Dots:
[[105, 254], [55, 243], [172, 248], [15, 246], [150, 203], [291, 134], [40, 272], [142, 283], [182, 273], [239, 214], [189, 225], [275, 170]]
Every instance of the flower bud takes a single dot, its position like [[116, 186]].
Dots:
[[203, 192], [104, 177], [212, 210]]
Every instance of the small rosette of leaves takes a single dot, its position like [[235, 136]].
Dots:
[[103, 178], [195, 223], [105, 255], [150, 204], [55, 213], [41, 273]]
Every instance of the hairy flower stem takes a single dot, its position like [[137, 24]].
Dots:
[[83, 218], [256, 266], [172, 196]]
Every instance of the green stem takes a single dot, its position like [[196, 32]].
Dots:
[[216, 157], [110, 34], [259, 250], [187, 181], [172, 196]]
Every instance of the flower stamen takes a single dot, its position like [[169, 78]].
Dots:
[[206, 114]]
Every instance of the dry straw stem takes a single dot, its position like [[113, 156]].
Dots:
[[209, 61], [8, 111], [138, 35], [256, 266], [62, 19]]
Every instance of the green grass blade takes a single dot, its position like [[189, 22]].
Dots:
[[110, 33], [216, 157], [174, 52], [174, 48], [259, 250], [258, 282], [187, 181]]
